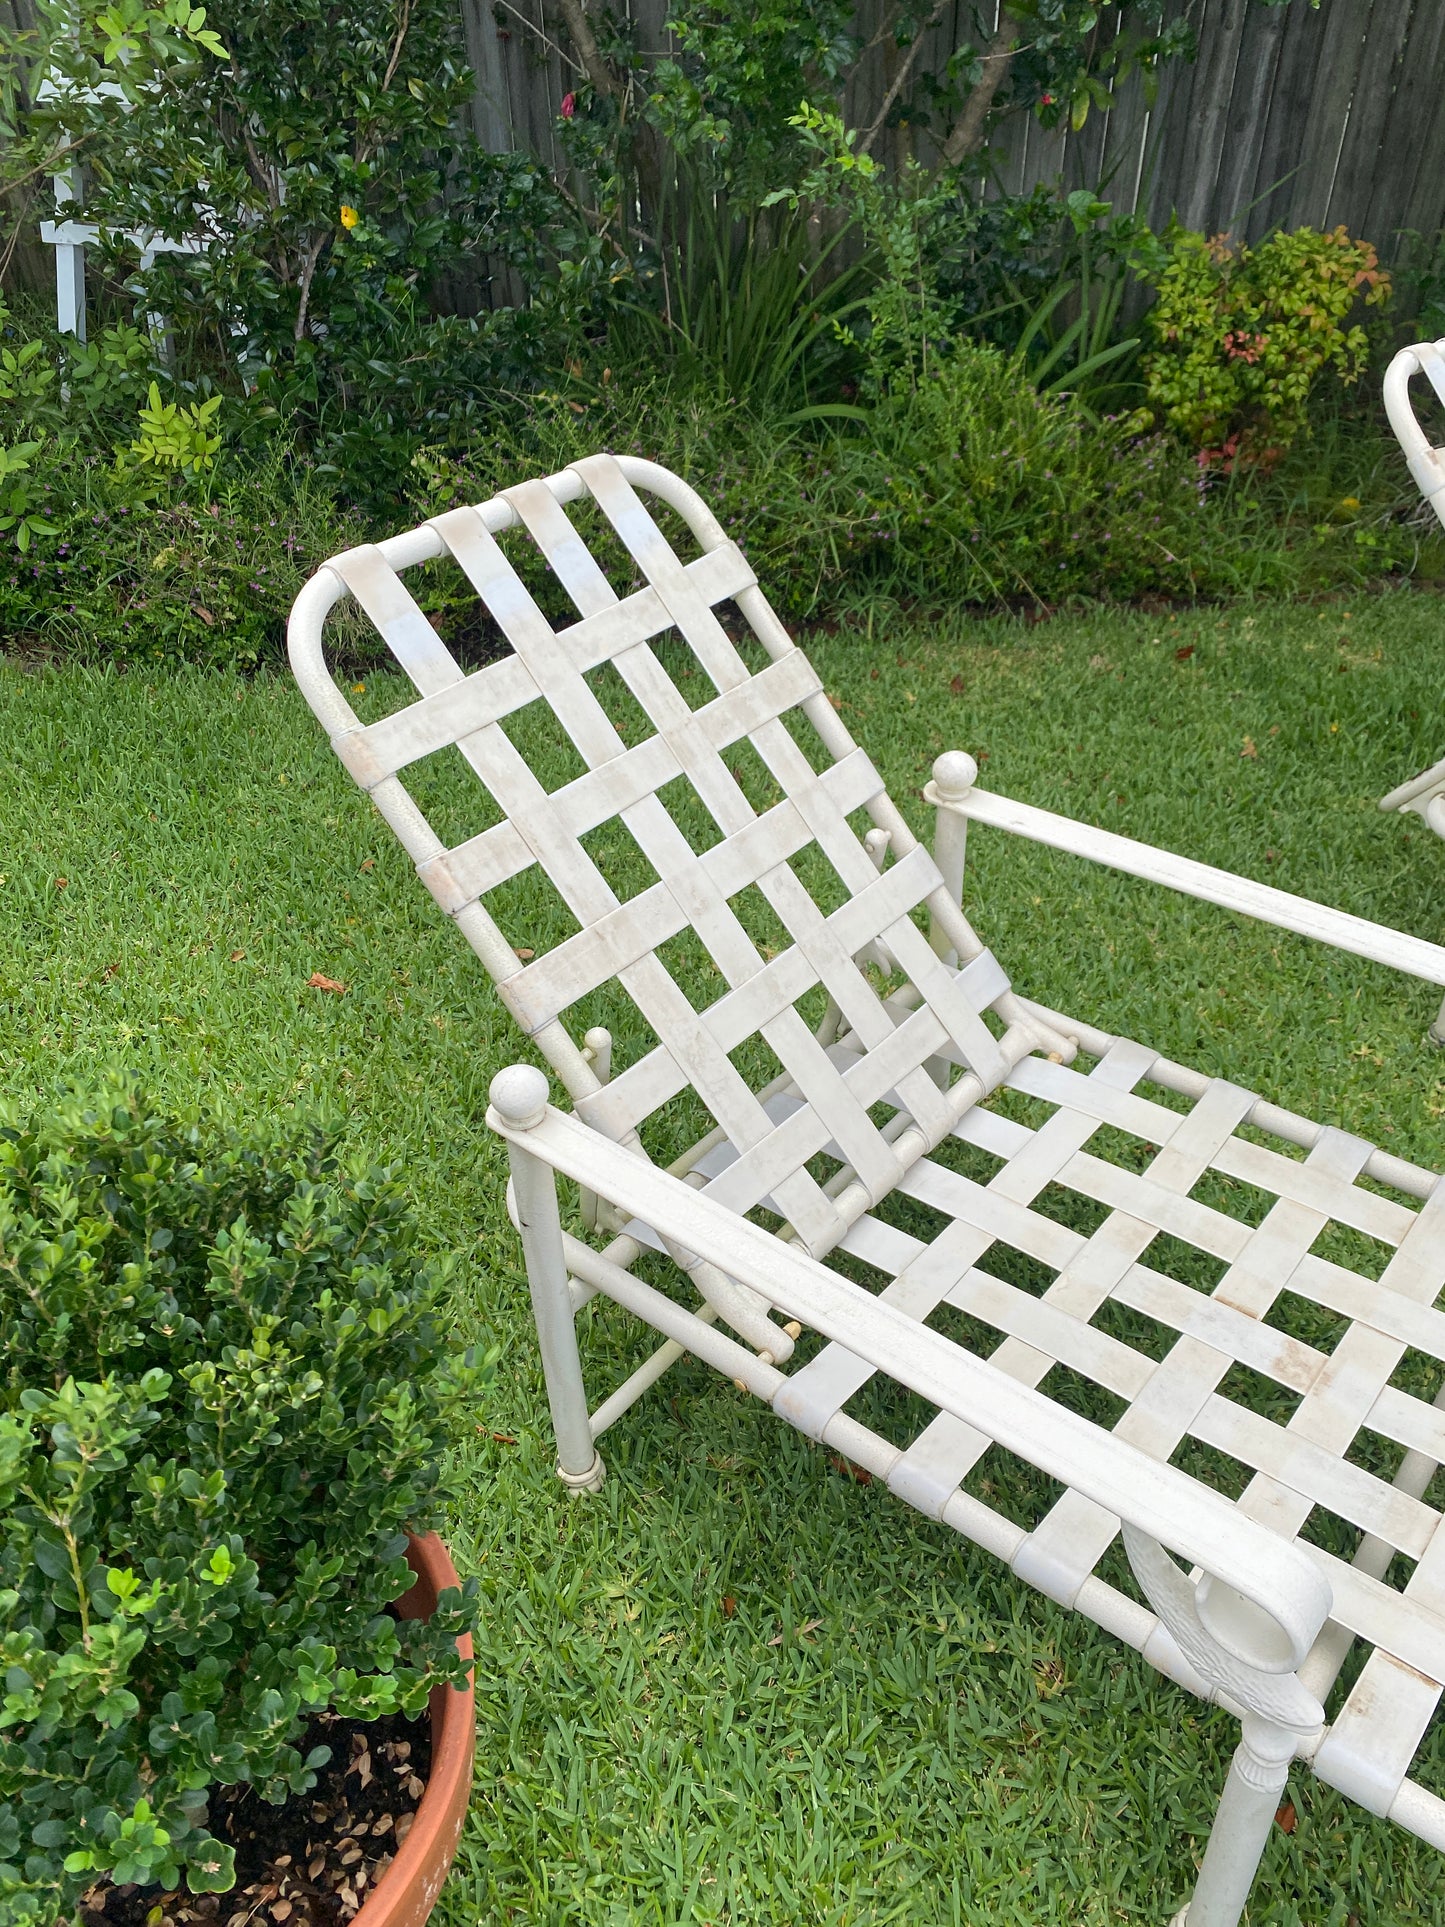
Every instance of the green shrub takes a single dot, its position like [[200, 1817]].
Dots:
[[142, 565], [222, 1400], [139, 522], [1241, 336], [969, 487], [320, 150]]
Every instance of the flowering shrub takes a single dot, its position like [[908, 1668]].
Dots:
[[222, 1400], [1240, 335]]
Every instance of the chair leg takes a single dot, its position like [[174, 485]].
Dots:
[[520, 1093], [1257, 1777], [597, 1049], [954, 775]]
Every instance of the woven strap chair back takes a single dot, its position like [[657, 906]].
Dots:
[[715, 801]]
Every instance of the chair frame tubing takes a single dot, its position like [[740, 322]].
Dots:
[[1247, 1620], [1424, 794]]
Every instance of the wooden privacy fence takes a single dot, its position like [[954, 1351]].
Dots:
[[1290, 116]]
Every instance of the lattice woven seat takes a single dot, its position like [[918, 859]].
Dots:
[[1197, 1314]]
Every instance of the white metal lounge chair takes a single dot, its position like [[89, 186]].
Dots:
[[929, 1080], [1423, 795]]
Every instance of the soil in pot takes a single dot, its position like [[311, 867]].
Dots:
[[312, 1861]]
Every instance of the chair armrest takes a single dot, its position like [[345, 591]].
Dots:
[[1414, 956], [1278, 1576], [1423, 794]]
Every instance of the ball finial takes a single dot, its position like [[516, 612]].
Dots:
[[519, 1096], [955, 773]]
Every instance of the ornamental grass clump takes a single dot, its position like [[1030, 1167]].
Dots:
[[223, 1401]]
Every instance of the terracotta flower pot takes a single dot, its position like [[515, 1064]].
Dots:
[[407, 1891]]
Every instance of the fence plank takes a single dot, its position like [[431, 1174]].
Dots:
[[1126, 127], [1406, 166], [1208, 127], [1286, 119], [491, 114], [31, 268], [1084, 150], [1344, 27], [1363, 147], [1166, 151], [1238, 183]]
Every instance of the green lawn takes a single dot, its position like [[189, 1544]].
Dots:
[[879, 1725]]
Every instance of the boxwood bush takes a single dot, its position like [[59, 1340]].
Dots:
[[223, 1398]]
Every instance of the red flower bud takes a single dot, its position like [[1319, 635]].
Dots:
[[569, 106]]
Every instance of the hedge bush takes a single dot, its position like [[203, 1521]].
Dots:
[[222, 1401]]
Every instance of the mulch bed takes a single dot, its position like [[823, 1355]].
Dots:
[[312, 1861]]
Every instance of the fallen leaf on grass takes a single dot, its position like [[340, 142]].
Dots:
[[849, 1470], [61, 882], [729, 1605], [317, 982], [238, 956], [1183, 655], [1287, 1819], [204, 613], [957, 685], [523, 952], [1249, 749], [808, 1626]]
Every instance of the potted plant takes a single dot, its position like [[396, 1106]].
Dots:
[[224, 1619]]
